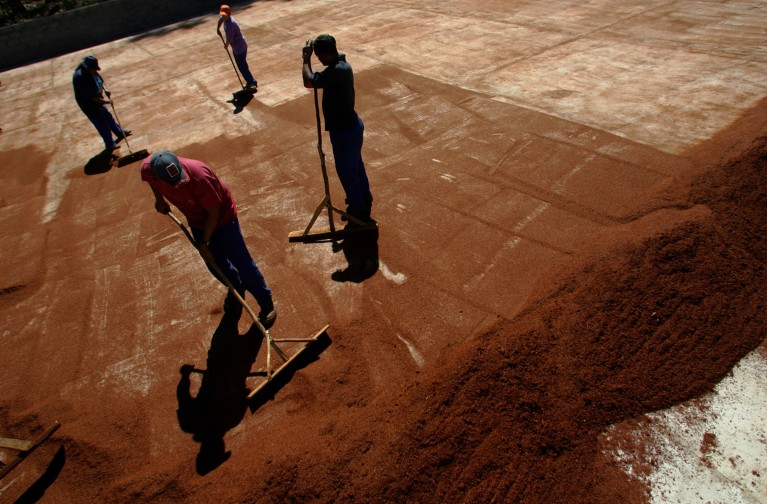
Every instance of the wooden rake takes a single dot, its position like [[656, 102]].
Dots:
[[272, 343], [23, 448]]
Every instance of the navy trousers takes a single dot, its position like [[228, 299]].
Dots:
[[232, 257], [347, 153], [106, 125], [242, 65]]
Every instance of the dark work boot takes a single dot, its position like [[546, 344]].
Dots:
[[268, 314], [363, 214]]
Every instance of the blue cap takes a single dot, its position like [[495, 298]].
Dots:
[[92, 63], [166, 166]]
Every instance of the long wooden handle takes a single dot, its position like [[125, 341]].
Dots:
[[230, 59], [222, 276], [328, 203], [125, 137]]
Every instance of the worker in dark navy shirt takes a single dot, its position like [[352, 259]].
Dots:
[[341, 121], [90, 94]]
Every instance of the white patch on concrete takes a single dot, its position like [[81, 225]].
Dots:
[[508, 246], [100, 308], [490, 266], [55, 187], [395, 278], [128, 375], [11, 481], [448, 177], [559, 186], [531, 217], [729, 464], [417, 357], [401, 207]]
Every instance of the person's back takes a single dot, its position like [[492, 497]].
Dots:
[[337, 83], [234, 36], [195, 189], [199, 188], [86, 87]]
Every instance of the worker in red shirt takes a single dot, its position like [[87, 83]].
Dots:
[[211, 212]]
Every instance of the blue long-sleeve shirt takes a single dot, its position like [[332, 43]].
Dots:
[[87, 87]]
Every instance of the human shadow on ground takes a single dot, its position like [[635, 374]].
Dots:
[[36, 491], [100, 163], [240, 100], [221, 401], [361, 252]]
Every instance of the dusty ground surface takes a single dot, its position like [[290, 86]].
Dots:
[[571, 205]]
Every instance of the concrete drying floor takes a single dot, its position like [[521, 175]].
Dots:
[[499, 136]]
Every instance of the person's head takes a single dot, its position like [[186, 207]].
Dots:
[[166, 166], [225, 11], [325, 48], [91, 63]]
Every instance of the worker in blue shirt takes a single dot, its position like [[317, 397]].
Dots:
[[90, 92]]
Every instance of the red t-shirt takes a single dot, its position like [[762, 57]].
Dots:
[[202, 189]]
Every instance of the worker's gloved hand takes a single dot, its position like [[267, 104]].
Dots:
[[307, 51], [162, 207]]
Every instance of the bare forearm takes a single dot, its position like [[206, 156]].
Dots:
[[159, 201], [218, 28], [211, 221], [157, 196], [307, 74]]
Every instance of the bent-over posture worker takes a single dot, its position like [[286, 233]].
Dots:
[[89, 93], [211, 212], [341, 121]]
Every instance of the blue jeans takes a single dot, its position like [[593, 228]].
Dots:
[[242, 65], [233, 258], [105, 125], [347, 153]]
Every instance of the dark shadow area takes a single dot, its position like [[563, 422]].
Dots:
[[73, 30], [35, 492], [18, 11], [361, 253], [100, 163], [221, 401], [309, 355], [240, 100], [163, 30]]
